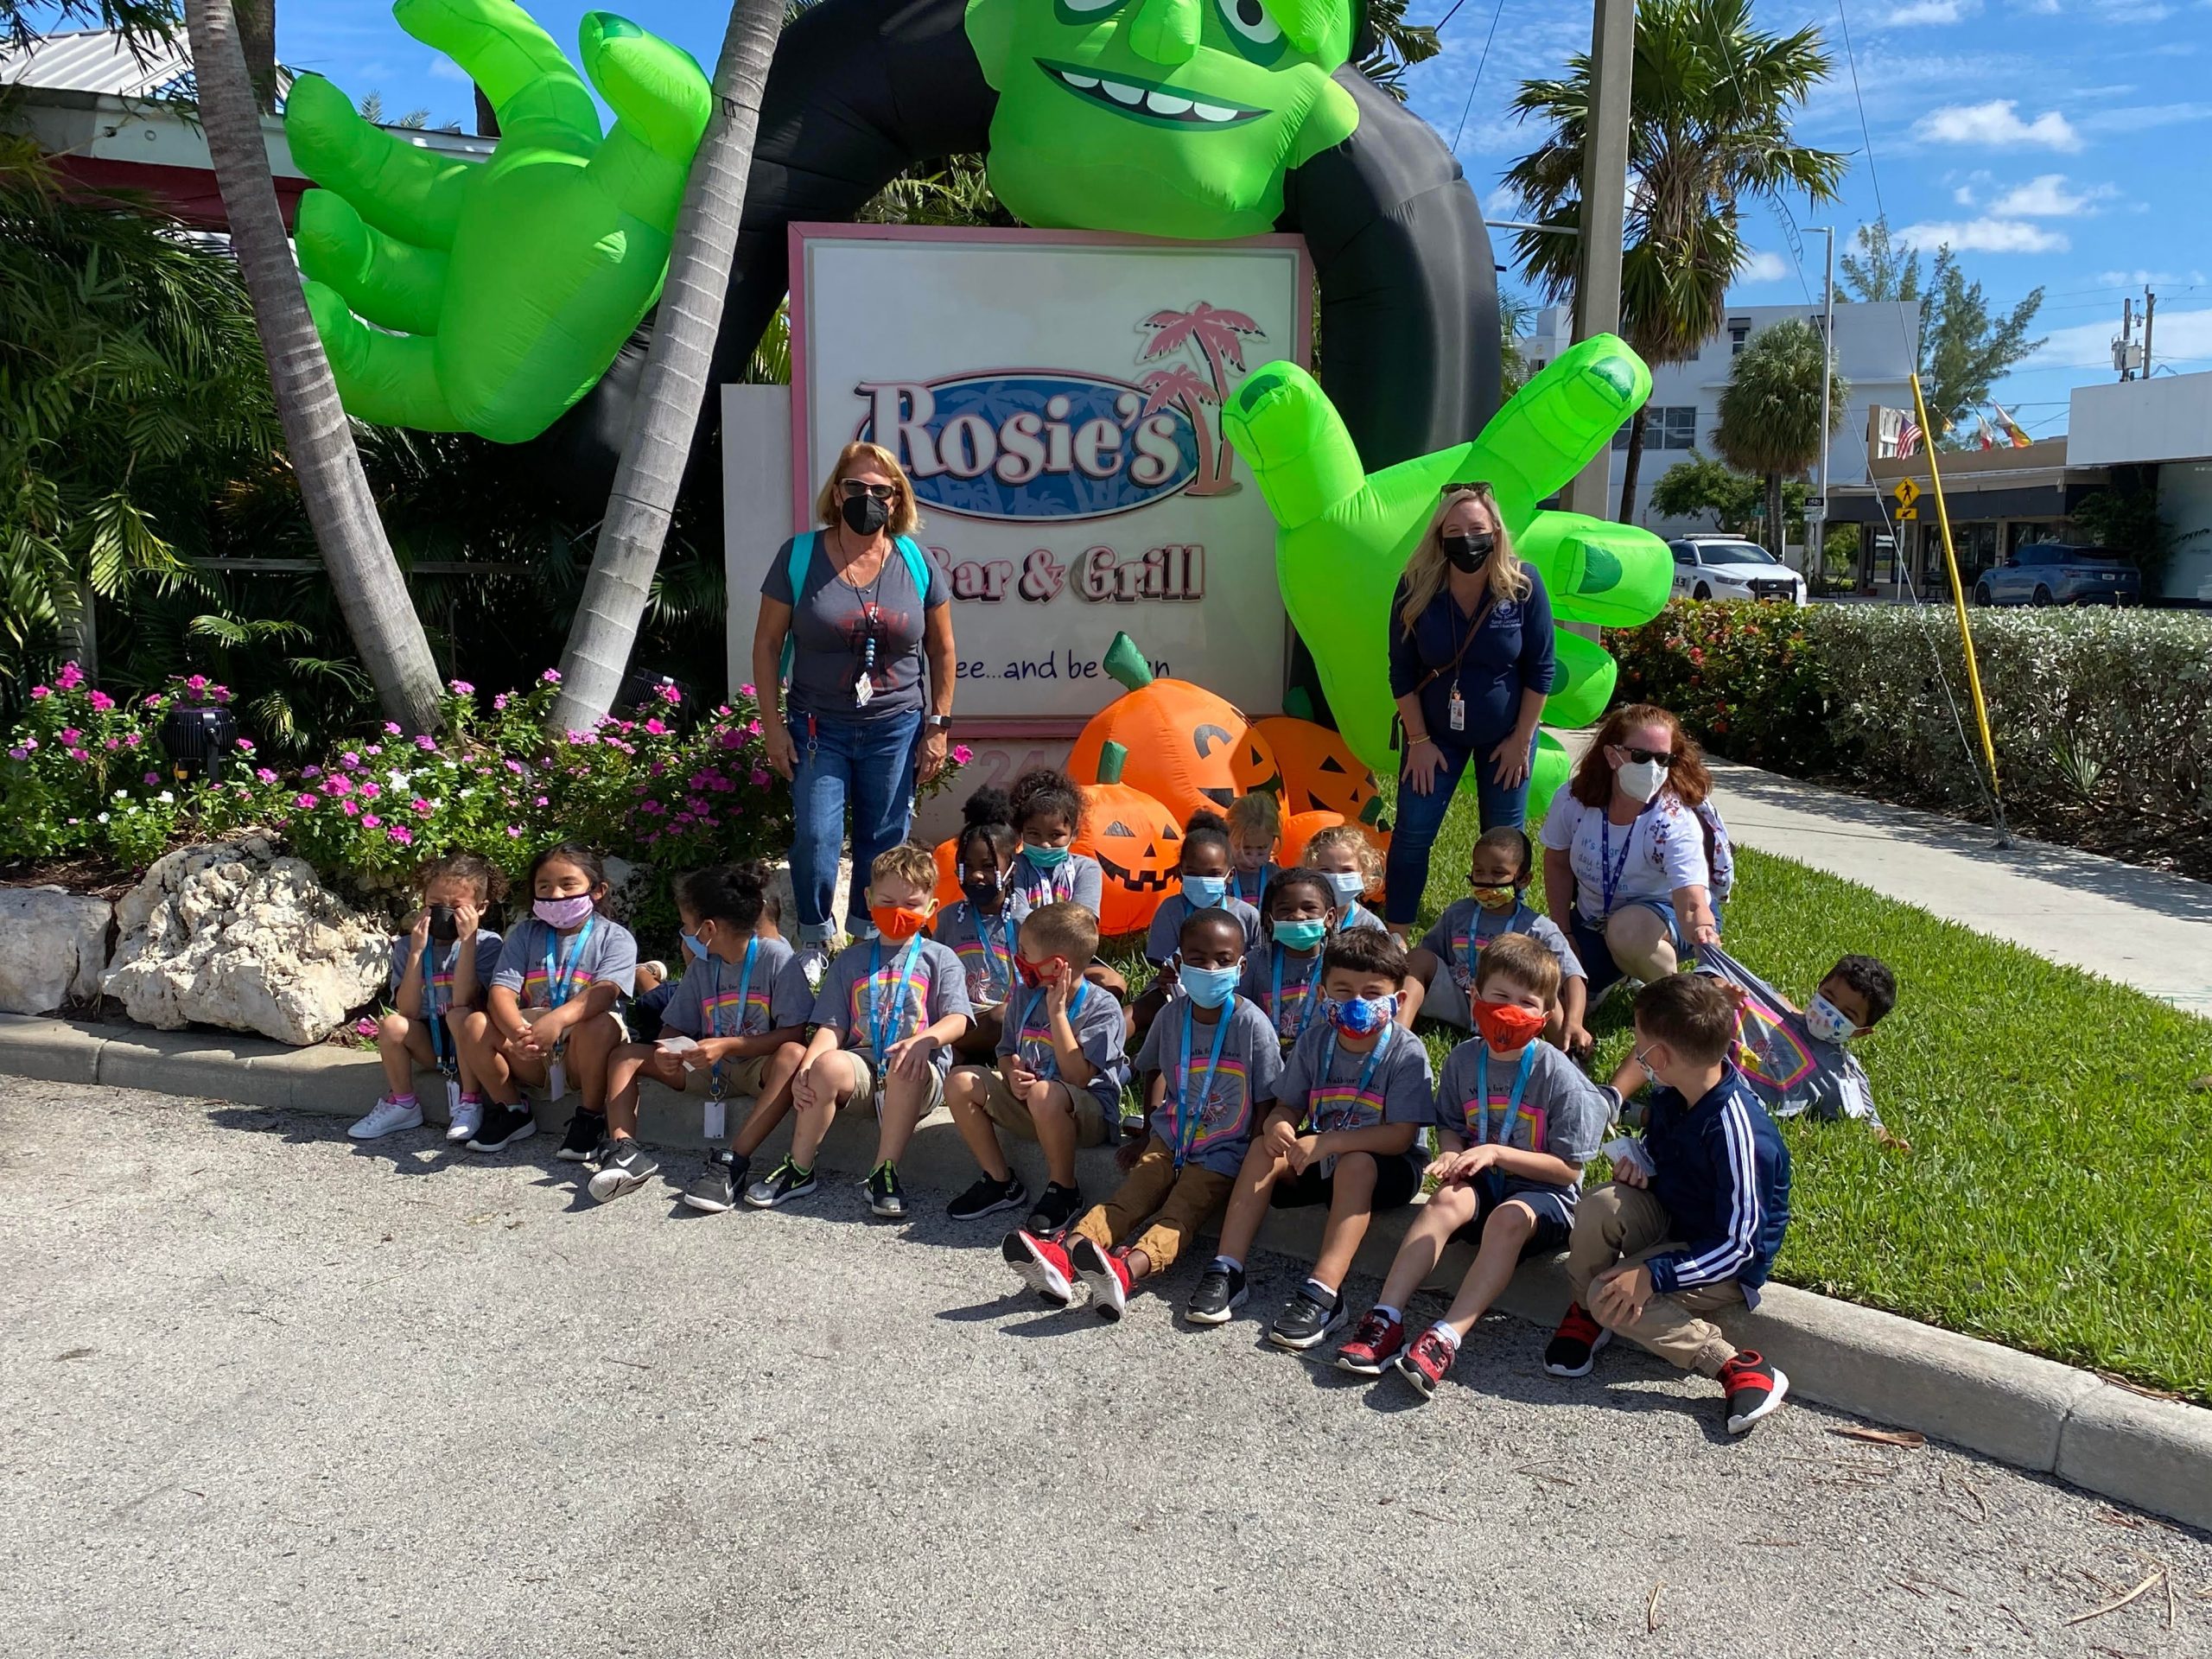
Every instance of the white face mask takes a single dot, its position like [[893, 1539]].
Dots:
[[1640, 780], [1828, 1023]]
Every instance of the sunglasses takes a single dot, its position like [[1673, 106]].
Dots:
[[855, 489], [1634, 753], [1474, 487]]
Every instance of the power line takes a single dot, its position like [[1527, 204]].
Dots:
[[1480, 63]]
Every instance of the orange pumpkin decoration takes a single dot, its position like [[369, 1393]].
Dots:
[[947, 854], [1320, 771], [1136, 841], [1182, 741]]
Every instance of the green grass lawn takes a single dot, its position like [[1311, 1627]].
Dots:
[[2057, 1194]]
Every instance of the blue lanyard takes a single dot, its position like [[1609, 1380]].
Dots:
[[1609, 867], [1186, 1119], [1512, 1100], [997, 972], [561, 982], [1258, 884], [1306, 1009], [1029, 1014], [879, 1010], [1366, 1072], [433, 1015], [714, 1000], [1476, 936]]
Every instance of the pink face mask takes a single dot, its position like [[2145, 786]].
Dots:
[[563, 914]]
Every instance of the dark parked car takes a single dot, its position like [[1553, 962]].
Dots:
[[2060, 573]]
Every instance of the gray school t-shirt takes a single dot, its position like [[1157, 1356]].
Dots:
[[442, 956], [1221, 1099], [609, 955], [1298, 1006], [1100, 1032], [988, 962], [1789, 1069], [1321, 1079], [718, 999], [1465, 929], [1561, 1111], [1078, 878], [1165, 936], [830, 624], [905, 991]]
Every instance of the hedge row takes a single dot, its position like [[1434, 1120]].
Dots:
[[2102, 718]]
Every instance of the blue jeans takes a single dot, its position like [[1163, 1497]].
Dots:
[[866, 764], [1419, 816]]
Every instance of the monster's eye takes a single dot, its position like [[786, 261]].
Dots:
[[1248, 20]]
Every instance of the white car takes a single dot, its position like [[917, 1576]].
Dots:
[[1728, 567]]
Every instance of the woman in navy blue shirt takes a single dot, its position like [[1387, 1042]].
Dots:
[[1471, 662]]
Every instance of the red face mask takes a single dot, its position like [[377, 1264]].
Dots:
[[1034, 974], [1505, 1024], [896, 922]]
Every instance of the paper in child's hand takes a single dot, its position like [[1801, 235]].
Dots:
[[1627, 1149]]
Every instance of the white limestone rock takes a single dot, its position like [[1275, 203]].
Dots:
[[52, 948]]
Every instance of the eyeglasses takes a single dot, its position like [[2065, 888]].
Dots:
[[855, 489], [1472, 486], [1661, 755]]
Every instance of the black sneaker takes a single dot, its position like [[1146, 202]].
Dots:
[[1307, 1320], [717, 1187], [1573, 1347], [1221, 1287], [1057, 1206], [988, 1197], [586, 1132], [624, 1166], [784, 1183], [502, 1127], [886, 1198]]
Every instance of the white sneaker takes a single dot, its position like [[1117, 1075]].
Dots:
[[467, 1118], [387, 1117], [814, 962]]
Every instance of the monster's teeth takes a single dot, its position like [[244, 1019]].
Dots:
[[1160, 102], [1212, 113], [1122, 94], [1082, 83]]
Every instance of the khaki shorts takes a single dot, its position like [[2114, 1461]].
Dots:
[[741, 1078], [1013, 1117], [864, 1094]]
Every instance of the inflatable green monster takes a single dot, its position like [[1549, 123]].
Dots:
[[1345, 533]]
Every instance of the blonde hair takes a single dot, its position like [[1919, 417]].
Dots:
[[1509, 578], [1522, 957], [1346, 835], [1256, 816], [909, 861], [906, 519]]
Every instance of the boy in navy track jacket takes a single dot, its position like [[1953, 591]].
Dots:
[[1693, 1220]]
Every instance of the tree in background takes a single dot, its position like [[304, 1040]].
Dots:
[[318, 438], [1736, 502], [1965, 347], [1399, 45], [141, 23], [1709, 111], [1515, 313], [1770, 412]]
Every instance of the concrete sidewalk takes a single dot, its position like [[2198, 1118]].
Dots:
[[2140, 927]]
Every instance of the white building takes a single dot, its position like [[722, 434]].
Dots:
[[1875, 347], [2162, 430]]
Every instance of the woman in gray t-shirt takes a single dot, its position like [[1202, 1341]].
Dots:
[[865, 615]]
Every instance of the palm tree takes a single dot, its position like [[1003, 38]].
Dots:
[[1770, 412], [1218, 336], [1709, 109], [363, 574], [674, 382], [1181, 384]]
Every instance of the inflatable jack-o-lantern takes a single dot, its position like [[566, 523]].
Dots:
[[1320, 773], [1136, 841], [1182, 740]]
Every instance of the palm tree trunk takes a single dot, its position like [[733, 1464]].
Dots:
[[257, 40], [1635, 463], [675, 383], [1775, 534], [372, 596]]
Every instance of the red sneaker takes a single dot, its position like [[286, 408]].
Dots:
[[1573, 1347], [1106, 1274], [1425, 1363], [1377, 1342], [1754, 1387], [1042, 1265]]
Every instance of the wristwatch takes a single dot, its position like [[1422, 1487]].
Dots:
[[937, 722]]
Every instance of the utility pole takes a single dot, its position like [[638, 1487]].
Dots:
[[1816, 510], [2126, 344], [2149, 305], [1604, 213]]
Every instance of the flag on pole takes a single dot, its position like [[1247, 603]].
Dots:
[[2020, 439], [1907, 437], [1988, 438]]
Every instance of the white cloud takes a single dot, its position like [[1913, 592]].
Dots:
[[2143, 117], [2181, 336], [1963, 195], [1764, 266], [2047, 196], [1504, 203], [1929, 11], [444, 68], [1995, 123], [2140, 277], [1986, 236]]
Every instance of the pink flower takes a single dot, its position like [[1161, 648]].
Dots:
[[350, 760], [153, 777], [402, 834], [669, 693], [391, 728], [131, 739], [265, 775], [349, 809], [515, 767], [425, 742], [78, 754], [311, 772], [370, 792], [196, 683], [550, 676], [656, 728], [962, 754], [336, 786], [654, 808], [744, 691], [760, 778], [307, 803], [19, 754], [373, 748], [71, 735], [70, 677], [419, 805], [112, 744], [370, 821], [461, 688], [540, 801], [102, 702], [243, 745], [153, 702], [365, 1027], [753, 728], [514, 832], [40, 693], [499, 702]]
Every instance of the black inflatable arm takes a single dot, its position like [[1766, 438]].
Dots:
[[862, 89]]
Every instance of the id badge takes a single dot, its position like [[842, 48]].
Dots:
[[1457, 711], [556, 1081], [716, 1126], [453, 1098], [863, 690]]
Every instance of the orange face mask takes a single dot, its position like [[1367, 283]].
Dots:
[[897, 922], [1506, 1026]]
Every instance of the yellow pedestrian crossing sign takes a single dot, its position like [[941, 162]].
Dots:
[[1906, 493]]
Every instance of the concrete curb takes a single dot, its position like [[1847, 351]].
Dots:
[[2031, 1413]]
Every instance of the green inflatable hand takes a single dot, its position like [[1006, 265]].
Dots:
[[506, 286], [1345, 537]]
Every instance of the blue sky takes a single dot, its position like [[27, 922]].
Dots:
[[2058, 143]]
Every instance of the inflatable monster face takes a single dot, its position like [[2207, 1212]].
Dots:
[[1159, 118]]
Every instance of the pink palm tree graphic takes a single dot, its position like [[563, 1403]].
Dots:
[[1217, 335], [1181, 384]]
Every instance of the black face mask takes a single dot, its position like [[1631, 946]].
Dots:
[[1468, 553], [982, 887], [865, 515]]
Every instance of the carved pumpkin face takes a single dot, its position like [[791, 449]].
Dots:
[[1254, 765], [1319, 771], [1138, 845], [1182, 739]]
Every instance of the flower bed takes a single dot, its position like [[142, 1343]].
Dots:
[[2102, 718]]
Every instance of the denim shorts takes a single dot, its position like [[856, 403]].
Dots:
[[1597, 956], [1396, 1181], [1553, 1207]]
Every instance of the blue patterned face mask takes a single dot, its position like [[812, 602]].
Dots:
[[1828, 1023], [1362, 1016]]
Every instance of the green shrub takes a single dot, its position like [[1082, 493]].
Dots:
[[2102, 719]]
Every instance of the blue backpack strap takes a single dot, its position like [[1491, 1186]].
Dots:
[[918, 566], [802, 560]]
